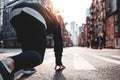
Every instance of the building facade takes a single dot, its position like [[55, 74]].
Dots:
[[105, 22], [74, 31], [97, 23], [81, 37], [1, 13], [87, 32], [113, 23], [2, 3]]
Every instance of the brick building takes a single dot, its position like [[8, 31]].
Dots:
[[112, 23], [105, 21], [97, 17], [87, 32]]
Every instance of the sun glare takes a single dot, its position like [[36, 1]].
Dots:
[[72, 9], [57, 3]]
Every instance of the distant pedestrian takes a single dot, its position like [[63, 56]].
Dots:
[[88, 44], [32, 23], [100, 42]]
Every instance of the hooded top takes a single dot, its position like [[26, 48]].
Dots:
[[45, 16]]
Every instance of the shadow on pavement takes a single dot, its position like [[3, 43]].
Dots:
[[59, 76]]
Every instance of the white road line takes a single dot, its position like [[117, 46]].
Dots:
[[48, 61], [115, 56], [81, 64], [107, 59]]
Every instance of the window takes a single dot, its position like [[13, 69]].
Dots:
[[116, 28], [117, 42], [116, 17]]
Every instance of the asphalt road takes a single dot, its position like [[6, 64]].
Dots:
[[81, 64]]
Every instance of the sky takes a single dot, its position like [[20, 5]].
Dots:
[[74, 10]]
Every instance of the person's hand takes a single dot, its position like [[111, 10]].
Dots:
[[59, 67]]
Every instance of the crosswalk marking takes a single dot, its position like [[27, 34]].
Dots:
[[48, 61], [115, 56], [107, 59], [81, 64]]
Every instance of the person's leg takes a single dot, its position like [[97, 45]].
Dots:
[[27, 59], [13, 64], [32, 35]]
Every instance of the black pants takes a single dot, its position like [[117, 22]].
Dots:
[[31, 33]]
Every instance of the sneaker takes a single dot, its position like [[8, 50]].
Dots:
[[29, 71], [4, 74]]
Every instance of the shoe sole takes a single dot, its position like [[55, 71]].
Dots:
[[28, 72]]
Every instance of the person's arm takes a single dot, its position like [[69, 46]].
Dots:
[[58, 45]]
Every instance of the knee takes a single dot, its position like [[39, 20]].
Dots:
[[35, 56], [39, 58]]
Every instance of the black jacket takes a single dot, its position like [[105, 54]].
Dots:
[[52, 24]]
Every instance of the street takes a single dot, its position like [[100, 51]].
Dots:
[[81, 64]]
